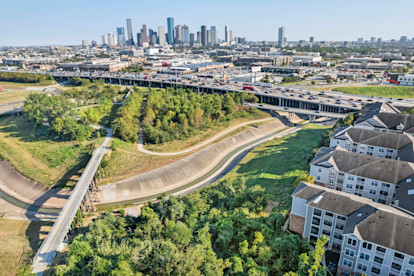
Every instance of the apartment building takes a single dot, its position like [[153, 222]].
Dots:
[[385, 117], [363, 175], [380, 144], [372, 238]]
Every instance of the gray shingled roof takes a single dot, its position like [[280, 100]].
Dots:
[[374, 222], [389, 230], [382, 169], [392, 120], [379, 139]]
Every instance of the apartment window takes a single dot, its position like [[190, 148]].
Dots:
[[316, 221], [328, 214], [361, 179], [381, 150], [319, 170], [327, 223], [364, 256], [370, 147], [349, 252], [396, 266], [385, 185], [367, 245], [381, 249], [341, 218], [347, 263], [411, 261], [359, 187], [341, 174], [350, 177], [383, 193], [399, 255], [339, 226], [326, 232], [317, 212], [409, 272], [372, 192], [349, 186], [362, 267], [318, 178], [374, 183], [382, 201], [378, 260], [369, 153], [338, 236], [375, 270], [351, 242]]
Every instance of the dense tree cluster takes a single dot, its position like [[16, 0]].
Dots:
[[291, 79], [76, 81], [178, 114], [95, 114], [58, 113], [133, 68], [24, 77], [214, 231], [94, 93], [126, 125]]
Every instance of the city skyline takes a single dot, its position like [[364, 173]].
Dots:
[[369, 19]]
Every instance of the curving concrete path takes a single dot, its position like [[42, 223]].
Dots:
[[206, 142]]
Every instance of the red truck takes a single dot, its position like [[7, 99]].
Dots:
[[248, 87]]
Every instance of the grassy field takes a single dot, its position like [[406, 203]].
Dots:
[[202, 136], [124, 160], [33, 152], [18, 240], [16, 85], [14, 95], [276, 164], [377, 90]]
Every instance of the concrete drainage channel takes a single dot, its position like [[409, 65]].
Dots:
[[232, 159]]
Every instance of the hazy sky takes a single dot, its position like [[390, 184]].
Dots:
[[47, 22]]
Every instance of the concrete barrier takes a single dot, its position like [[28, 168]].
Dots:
[[185, 170]]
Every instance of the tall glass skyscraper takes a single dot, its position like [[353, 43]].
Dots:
[[213, 33], [129, 30], [170, 25]]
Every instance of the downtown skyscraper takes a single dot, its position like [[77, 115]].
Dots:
[[161, 36], [213, 35], [170, 26], [185, 34], [129, 30], [281, 37], [204, 39]]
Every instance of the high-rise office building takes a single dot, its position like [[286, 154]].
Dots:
[[230, 36], [143, 35], [185, 34], [198, 37], [94, 43], [281, 37], [373, 39], [120, 34], [178, 35], [192, 40], [213, 33], [404, 39], [226, 34], [111, 40], [208, 37], [84, 43], [379, 40], [103, 39], [311, 39], [129, 30], [360, 40], [170, 26], [161, 36], [204, 41]]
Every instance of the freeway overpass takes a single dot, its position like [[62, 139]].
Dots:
[[82, 196], [311, 113], [296, 99]]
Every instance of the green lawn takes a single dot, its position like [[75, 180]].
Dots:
[[34, 153], [14, 85], [276, 164], [376, 90]]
